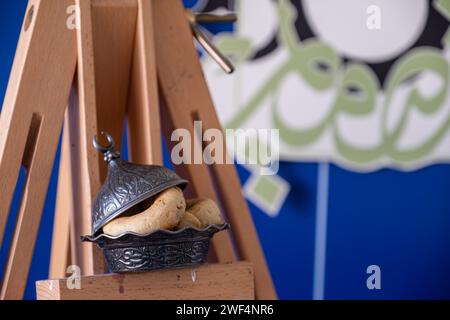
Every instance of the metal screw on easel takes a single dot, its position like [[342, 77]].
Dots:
[[196, 18]]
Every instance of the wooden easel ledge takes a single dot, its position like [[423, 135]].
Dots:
[[232, 281]]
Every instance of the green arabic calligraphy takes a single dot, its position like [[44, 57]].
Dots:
[[322, 69]]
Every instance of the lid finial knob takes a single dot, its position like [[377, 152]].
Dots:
[[109, 152]]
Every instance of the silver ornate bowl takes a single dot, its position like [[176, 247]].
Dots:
[[161, 249], [128, 189]]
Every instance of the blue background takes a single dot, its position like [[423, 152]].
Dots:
[[399, 221]]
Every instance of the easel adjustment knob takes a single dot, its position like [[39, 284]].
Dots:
[[203, 40]]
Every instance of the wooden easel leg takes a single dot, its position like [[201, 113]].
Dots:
[[186, 95], [30, 125], [144, 129], [105, 44], [83, 123], [64, 211]]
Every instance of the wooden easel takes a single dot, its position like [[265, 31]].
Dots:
[[128, 58]]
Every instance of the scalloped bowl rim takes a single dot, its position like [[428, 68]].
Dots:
[[217, 227]]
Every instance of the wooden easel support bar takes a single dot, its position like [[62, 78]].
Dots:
[[30, 124], [232, 281]]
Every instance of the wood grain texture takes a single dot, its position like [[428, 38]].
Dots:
[[30, 124], [210, 281], [187, 98], [83, 125], [144, 129], [60, 255]]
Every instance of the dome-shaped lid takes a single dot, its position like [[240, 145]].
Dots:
[[127, 184]]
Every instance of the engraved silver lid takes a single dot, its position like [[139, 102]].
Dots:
[[127, 184]]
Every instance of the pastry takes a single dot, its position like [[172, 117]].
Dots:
[[165, 212], [204, 210], [189, 220]]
